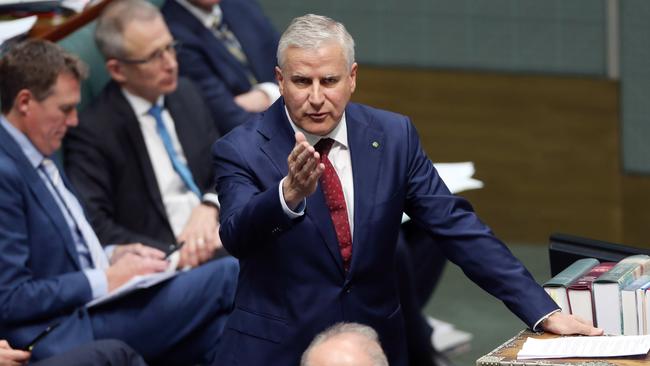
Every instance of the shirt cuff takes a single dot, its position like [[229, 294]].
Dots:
[[109, 249], [300, 210], [538, 324], [98, 282], [211, 199], [270, 89]]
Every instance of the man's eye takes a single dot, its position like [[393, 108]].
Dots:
[[330, 81], [301, 81]]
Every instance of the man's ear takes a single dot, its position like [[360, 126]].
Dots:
[[22, 100], [279, 78], [353, 77], [115, 70]]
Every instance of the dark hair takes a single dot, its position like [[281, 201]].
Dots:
[[35, 65]]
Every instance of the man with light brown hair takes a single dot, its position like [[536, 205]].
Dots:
[[52, 263]]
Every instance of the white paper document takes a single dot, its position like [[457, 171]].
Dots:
[[140, 282], [457, 177], [16, 27], [573, 347]]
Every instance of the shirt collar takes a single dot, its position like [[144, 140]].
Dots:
[[208, 19], [33, 155], [338, 134], [140, 105]]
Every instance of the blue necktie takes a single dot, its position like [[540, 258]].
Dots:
[[180, 167]]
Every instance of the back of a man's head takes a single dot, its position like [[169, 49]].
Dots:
[[109, 34], [345, 344], [35, 65]]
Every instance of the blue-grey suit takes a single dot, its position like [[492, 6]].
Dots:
[[41, 282], [204, 58], [292, 283]]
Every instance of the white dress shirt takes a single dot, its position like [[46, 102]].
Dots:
[[178, 200]]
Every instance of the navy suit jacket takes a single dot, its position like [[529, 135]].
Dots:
[[292, 283], [204, 59], [107, 160], [40, 277]]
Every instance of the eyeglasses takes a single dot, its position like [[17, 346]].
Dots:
[[157, 55]]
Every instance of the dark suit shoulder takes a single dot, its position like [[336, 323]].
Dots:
[[188, 92], [373, 113], [8, 169], [101, 116]]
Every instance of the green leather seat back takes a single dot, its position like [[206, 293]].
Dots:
[[82, 44]]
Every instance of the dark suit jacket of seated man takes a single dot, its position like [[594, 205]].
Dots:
[[52, 262], [205, 59], [293, 236], [135, 171], [107, 160]]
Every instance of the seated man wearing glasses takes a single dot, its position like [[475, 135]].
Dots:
[[140, 158]]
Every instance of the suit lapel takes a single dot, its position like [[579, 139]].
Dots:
[[134, 134], [280, 142], [366, 155], [41, 193]]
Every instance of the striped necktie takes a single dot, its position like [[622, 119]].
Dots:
[[73, 207]]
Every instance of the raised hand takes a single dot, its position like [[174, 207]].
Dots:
[[305, 169]]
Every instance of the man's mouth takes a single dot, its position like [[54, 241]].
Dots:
[[317, 116]]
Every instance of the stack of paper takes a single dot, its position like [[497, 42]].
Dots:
[[571, 347], [457, 177], [446, 338], [13, 28]]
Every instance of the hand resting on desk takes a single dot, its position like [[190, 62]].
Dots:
[[565, 324]]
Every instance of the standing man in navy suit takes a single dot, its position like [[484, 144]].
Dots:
[[229, 51], [312, 209], [52, 263]]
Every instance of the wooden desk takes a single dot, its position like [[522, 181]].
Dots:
[[506, 355], [56, 27]]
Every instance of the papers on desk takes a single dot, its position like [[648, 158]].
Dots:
[[457, 177], [135, 283], [13, 28], [140, 282], [571, 347]]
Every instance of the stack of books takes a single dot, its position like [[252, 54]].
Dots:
[[612, 296]]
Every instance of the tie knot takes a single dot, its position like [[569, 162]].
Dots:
[[323, 146], [51, 170], [155, 111]]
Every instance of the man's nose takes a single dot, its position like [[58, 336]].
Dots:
[[71, 119], [316, 96], [169, 60]]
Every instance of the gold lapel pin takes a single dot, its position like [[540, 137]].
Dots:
[[375, 144]]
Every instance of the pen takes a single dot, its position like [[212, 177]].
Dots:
[[40, 336], [176, 249]]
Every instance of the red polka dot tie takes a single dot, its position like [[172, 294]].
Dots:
[[331, 186]]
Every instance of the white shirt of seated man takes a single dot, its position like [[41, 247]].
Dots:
[[191, 222]]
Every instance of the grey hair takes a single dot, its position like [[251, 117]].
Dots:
[[372, 347], [109, 34], [310, 32]]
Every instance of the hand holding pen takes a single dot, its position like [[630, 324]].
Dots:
[[131, 260], [10, 356]]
